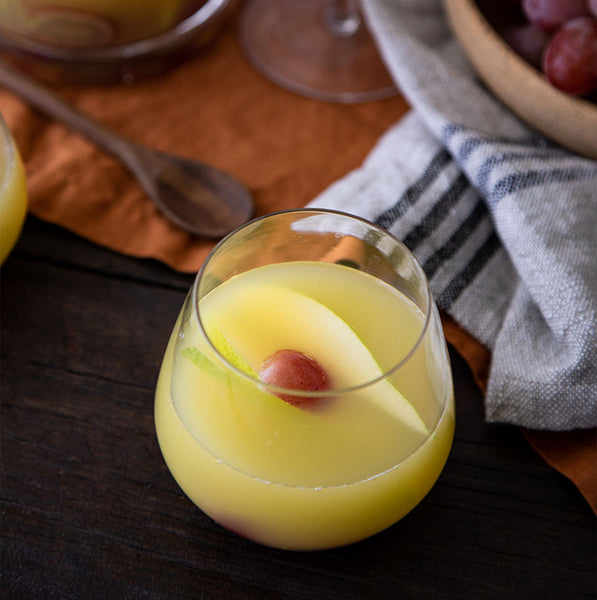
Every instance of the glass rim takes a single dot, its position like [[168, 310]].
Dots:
[[276, 390]]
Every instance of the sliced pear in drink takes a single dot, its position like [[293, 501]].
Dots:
[[262, 319], [227, 351]]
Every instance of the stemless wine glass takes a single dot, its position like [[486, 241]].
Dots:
[[13, 192], [305, 400], [316, 48]]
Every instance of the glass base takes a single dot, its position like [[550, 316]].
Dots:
[[293, 44]]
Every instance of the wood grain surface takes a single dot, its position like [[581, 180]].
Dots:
[[89, 509]]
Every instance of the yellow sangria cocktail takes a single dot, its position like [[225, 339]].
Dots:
[[13, 192], [305, 399]]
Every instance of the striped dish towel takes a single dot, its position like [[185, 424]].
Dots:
[[503, 221]]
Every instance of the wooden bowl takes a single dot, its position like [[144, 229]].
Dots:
[[566, 119]]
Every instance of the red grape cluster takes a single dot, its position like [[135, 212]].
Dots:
[[558, 37]]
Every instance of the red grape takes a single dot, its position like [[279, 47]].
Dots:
[[550, 14], [294, 370], [592, 6], [528, 40], [570, 59]]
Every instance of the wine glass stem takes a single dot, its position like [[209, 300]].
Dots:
[[342, 17]]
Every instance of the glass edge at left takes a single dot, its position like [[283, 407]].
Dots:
[[13, 192]]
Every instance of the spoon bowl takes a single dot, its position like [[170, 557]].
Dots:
[[196, 197]]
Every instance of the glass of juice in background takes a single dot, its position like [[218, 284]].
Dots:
[[305, 400], [13, 192]]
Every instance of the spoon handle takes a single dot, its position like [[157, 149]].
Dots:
[[44, 99], [198, 198]]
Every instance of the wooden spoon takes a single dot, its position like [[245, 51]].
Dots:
[[197, 197]]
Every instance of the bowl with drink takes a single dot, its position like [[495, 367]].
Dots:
[[101, 41]]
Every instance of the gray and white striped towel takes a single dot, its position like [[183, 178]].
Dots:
[[503, 221]]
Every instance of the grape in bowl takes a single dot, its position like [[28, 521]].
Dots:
[[570, 120]]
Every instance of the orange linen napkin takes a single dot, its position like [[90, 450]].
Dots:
[[217, 109]]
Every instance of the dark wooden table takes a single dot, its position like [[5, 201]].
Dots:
[[89, 509]]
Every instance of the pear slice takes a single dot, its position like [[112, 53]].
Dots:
[[227, 351], [257, 320]]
